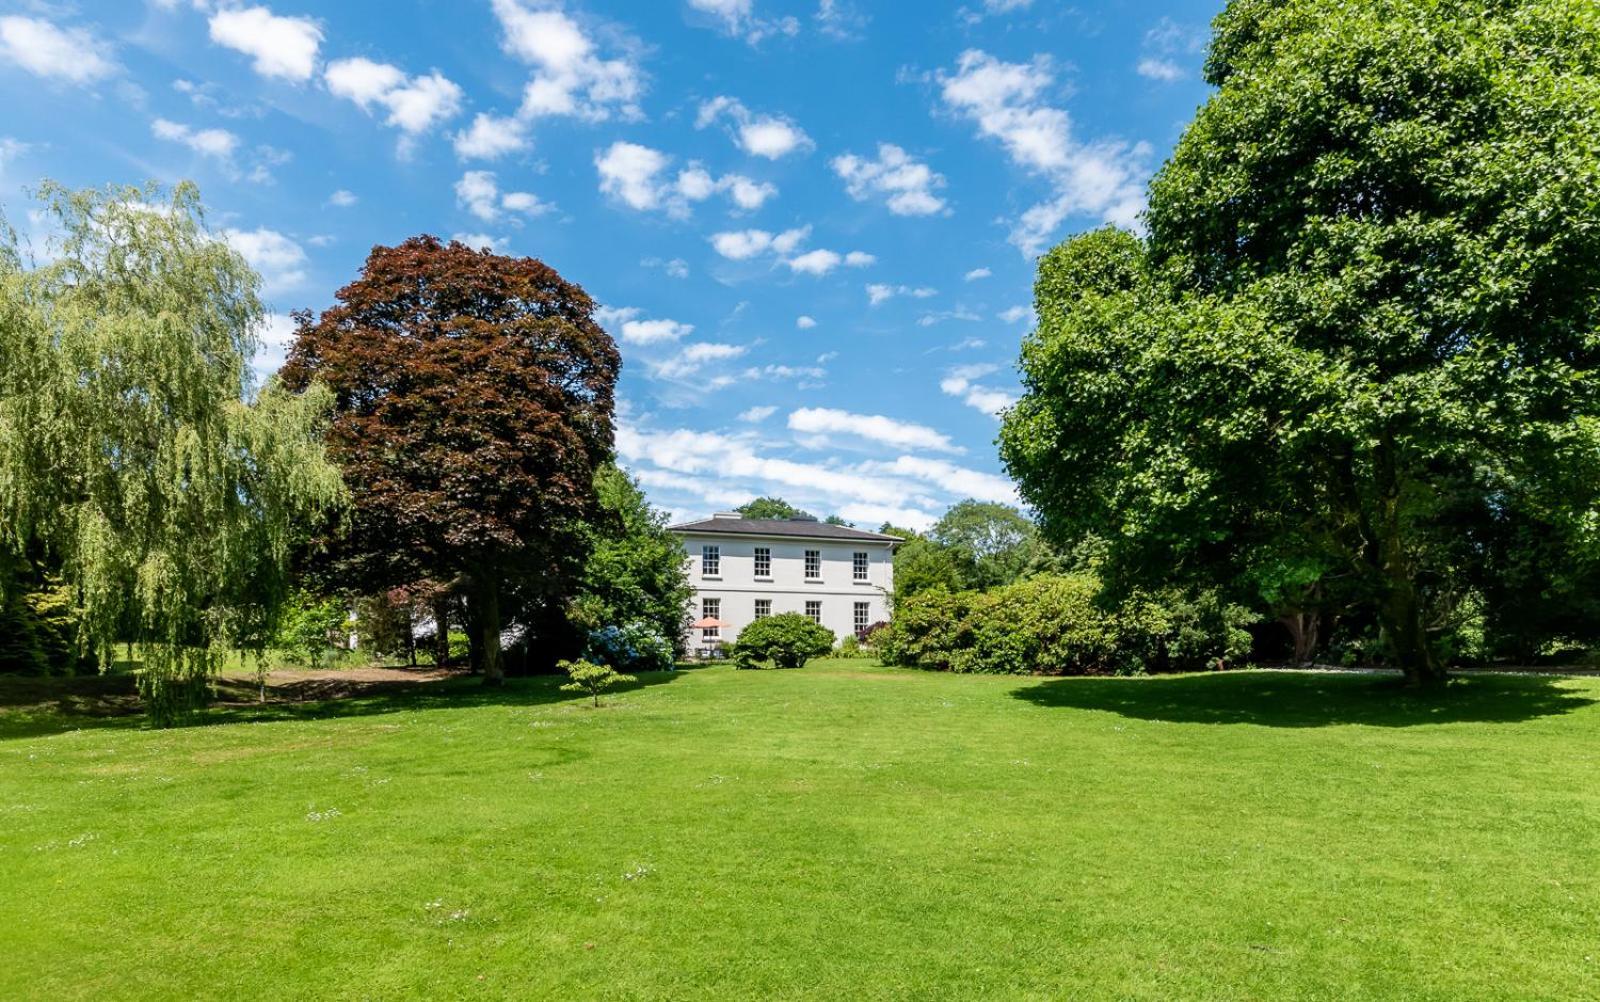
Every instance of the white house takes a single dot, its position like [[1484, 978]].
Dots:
[[743, 569]]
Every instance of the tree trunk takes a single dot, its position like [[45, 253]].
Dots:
[[441, 629], [1400, 616], [1303, 629], [486, 628]]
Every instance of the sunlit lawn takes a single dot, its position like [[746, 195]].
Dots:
[[840, 832]]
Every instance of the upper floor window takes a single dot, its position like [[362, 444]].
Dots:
[[763, 608], [858, 565], [813, 564], [814, 612], [763, 562], [710, 561]]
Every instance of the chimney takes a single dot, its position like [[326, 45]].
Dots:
[[727, 514]]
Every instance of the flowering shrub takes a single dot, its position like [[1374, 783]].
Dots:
[[635, 646]]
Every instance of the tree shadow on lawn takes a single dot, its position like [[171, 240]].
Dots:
[[41, 707], [1303, 699]]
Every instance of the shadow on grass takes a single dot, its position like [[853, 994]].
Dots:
[[40, 707], [1301, 699]]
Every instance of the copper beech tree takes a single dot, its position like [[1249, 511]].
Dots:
[[473, 404]]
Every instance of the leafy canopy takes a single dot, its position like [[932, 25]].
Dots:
[[787, 640], [133, 455], [1361, 336], [474, 396]]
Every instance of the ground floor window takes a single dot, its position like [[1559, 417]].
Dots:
[[863, 617], [712, 608], [763, 608], [814, 612]]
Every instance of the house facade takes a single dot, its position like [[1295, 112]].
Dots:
[[744, 569]]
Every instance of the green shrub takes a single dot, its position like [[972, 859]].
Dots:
[[588, 677], [849, 647], [787, 640], [311, 629], [1056, 625]]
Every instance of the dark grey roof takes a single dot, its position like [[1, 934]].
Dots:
[[807, 528]]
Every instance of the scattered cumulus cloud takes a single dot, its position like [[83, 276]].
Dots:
[[738, 19], [1008, 102], [282, 47], [415, 105], [342, 199], [976, 273], [822, 422], [805, 323], [278, 259], [1166, 46], [880, 293], [639, 177], [219, 144], [479, 193], [905, 184], [755, 415], [693, 358], [55, 53], [742, 245], [961, 382], [1016, 314], [490, 137], [769, 136]]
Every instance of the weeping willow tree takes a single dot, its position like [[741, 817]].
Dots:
[[135, 452]]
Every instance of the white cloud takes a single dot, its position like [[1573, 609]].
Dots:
[[737, 18], [45, 50], [636, 176], [342, 199], [480, 241], [219, 144], [977, 273], [940, 316], [570, 77], [1159, 68], [1007, 102], [480, 194], [276, 335], [905, 184], [823, 421], [961, 382], [1016, 314], [654, 331], [770, 136], [490, 137], [740, 245], [805, 323], [279, 260], [281, 46], [694, 357], [714, 470], [675, 267], [415, 104], [758, 414], [1162, 46], [949, 477], [839, 19], [11, 149], [879, 293]]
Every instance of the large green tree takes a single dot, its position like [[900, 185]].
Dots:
[[635, 569], [1361, 335], [990, 543], [134, 456], [473, 405]]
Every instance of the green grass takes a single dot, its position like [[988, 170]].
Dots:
[[844, 831]]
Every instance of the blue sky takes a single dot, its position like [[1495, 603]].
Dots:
[[811, 223]]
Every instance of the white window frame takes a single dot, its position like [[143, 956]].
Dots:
[[711, 561], [763, 608], [814, 559], [763, 562], [814, 610], [860, 562], [862, 617], [711, 607]]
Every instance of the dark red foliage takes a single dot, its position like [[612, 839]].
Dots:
[[474, 402]]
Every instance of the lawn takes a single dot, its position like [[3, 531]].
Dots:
[[842, 831]]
